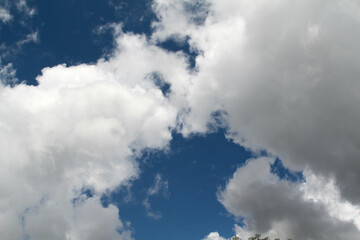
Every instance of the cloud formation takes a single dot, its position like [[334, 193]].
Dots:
[[277, 208], [5, 15], [7, 74], [21, 6], [81, 127], [213, 236], [285, 74]]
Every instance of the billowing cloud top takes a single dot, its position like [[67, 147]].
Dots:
[[80, 128]]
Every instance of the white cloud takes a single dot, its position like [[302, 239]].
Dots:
[[214, 236], [88, 221], [81, 127], [321, 190]]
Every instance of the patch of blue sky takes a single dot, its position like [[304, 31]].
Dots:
[[160, 82], [285, 173], [195, 169], [175, 45], [67, 32]]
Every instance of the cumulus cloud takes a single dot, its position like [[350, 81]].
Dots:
[[86, 221], [278, 208], [81, 127], [214, 236], [286, 75]]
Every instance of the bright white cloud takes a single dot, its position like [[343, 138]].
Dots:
[[82, 127], [214, 236], [321, 190]]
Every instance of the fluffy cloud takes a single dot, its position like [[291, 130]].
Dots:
[[286, 75], [278, 208], [87, 220], [79, 129], [213, 236]]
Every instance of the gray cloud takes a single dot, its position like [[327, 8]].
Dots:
[[278, 208], [286, 74]]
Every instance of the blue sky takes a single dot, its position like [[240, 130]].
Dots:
[[179, 119], [194, 174]]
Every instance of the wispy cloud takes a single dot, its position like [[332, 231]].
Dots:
[[160, 187], [5, 15], [31, 37], [7, 74], [22, 6]]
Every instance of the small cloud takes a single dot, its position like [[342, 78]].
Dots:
[[159, 187], [31, 37], [213, 236], [7, 74], [5, 15], [114, 28], [23, 7]]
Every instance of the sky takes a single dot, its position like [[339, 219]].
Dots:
[[179, 119]]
